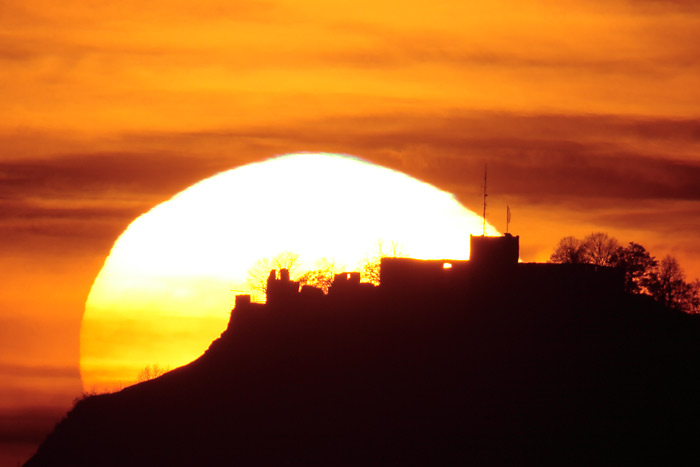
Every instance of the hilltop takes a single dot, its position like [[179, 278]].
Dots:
[[521, 364]]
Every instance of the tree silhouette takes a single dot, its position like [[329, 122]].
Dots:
[[671, 289], [372, 265], [151, 372], [597, 248], [664, 280], [321, 277], [259, 272], [693, 297], [639, 267], [600, 248], [570, 250]]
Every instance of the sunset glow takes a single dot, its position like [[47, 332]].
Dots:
[[168, 284], [586, 113]]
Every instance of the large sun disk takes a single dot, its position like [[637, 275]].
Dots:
[[167, 287]]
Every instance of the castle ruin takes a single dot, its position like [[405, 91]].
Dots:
[[493, 265]]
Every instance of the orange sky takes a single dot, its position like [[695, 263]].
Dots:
[[587, 113]]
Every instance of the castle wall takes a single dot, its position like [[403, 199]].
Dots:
[[282, 289], [493, 271], [415, 274]]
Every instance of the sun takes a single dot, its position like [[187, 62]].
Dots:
[[167, 287]]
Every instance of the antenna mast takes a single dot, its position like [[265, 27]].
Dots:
[[483, 233]]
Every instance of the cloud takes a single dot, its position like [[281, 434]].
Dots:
[[663, 6], [83, 176], [72, 201], [39, 371], [671, 219], [457, 55], [576, 162], [539, 156], [85, 200], [553, 157]]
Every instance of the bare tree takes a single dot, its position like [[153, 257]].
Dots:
[[570, 250], [693, 297], [597, 248], [664, 280], [372, 266], [260, 271], [371, 271], [151, 372], [321, 277], [669, 286], [600, 249]]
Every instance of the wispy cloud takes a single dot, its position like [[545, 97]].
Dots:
[[40, 371], [87, 197], [536, 156]]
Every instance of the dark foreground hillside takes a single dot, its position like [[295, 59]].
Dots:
[[459, 379]]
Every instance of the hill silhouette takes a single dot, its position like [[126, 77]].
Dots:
[[499, 370]]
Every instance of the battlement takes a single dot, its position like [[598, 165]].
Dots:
[[493, 265], [281, 289]]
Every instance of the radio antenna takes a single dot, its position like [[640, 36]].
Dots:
[[483, 232]]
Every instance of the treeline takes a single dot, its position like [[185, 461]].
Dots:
[[664, 280]]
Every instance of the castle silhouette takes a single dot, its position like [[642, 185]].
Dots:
[[494, 263], [446, 362]]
